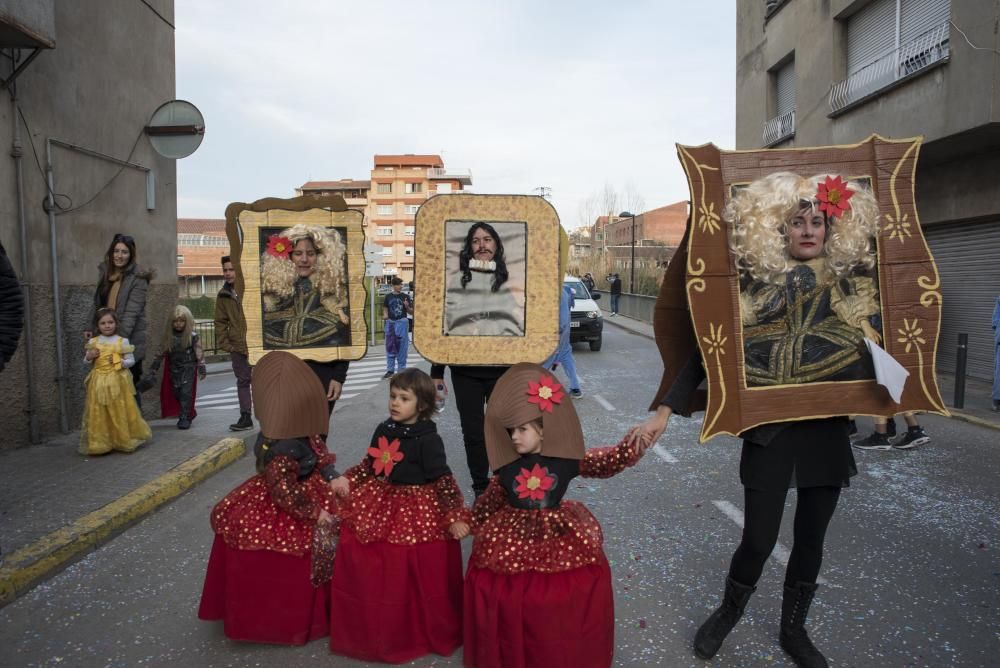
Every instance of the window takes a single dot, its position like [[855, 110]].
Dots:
[[444, 188], [409, 230], [410, 188], [782, 125], [180, 259], [384, 209], [383, 188], [411, 209], [408, 251], [386, 251], [385, 231], [888, 40]]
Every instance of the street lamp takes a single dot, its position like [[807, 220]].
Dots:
[[631, 281]]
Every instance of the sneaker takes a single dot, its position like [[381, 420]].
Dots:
[[914, 436], [576, 394], [612, 315], [874, 441], [243, 424], [388, 374], [184, 423]]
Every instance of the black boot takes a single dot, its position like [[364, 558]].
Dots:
[[794, 639], [184, 422], [243, 424], [709, 638]]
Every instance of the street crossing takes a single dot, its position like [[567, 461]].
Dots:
[[362, 375]]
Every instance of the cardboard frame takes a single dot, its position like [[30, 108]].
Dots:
[[243, 224], [702, 281], [542, 280]]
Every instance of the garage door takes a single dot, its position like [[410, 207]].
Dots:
[[968, 259]]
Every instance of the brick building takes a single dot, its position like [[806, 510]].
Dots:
[[201, 243]]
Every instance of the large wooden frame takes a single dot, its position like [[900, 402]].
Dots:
[[702, 281], [542, 280], [243, 222]]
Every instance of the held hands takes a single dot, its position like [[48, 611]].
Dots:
[[324, 517], [459, 530], [340, 486], [645, 435]]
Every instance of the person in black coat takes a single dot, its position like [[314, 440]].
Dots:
[[11, 309]]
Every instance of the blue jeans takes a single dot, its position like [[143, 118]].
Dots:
[[401, 330], [614, 303], [564, 355]]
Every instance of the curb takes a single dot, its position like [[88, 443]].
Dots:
[[33, 563], [953, 412]]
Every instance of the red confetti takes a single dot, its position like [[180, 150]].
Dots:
[[642, 623]]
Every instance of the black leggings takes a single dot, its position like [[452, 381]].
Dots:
[[762, 521]]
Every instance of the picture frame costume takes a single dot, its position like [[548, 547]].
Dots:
[[707, 300]]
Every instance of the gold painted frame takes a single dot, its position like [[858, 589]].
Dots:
[[243, 223], [702, 281], [543, 281]]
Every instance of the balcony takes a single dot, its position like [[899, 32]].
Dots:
[[779, 128], [930, 49], [463, 176]]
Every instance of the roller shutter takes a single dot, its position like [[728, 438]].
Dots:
[[918, 16], [871, 34], [785, 84]]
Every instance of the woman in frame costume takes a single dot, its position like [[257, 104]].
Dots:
[[538, 586], [272, 554]]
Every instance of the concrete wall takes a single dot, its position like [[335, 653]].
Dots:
[[112, 67], [815, 33]]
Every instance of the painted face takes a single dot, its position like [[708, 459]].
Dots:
[[304, 257], [806, 234], [120, 255], [179, 324], [527, 439], [228, 273], [403, 406], [484, 246], [107, 325]]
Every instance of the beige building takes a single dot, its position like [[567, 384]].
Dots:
[[833, 72]]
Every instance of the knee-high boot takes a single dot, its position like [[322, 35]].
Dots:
[[709, 638], [794, 639]]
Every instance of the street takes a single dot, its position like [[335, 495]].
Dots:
[[911, 575]]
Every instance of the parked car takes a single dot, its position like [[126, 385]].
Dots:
[[586, 321]]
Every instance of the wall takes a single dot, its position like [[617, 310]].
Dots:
[[113, 65]]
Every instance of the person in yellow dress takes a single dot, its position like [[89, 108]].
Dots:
[[111, 418]]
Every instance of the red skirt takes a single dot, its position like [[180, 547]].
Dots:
[[548, 620], [263, 596], [393, 603]]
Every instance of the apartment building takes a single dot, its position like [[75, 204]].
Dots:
[[833, 72]]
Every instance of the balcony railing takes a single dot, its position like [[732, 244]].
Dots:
[[779, 128], [463, 176], [928, 49]]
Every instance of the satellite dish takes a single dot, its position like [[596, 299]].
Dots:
[[176, 129]]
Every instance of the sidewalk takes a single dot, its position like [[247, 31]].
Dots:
[[978, 403], [56, 505]]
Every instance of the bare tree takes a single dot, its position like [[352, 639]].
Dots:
[[632, 199]]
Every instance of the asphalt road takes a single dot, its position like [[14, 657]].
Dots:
[[911, 572]]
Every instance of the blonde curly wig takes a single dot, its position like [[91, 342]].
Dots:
[[758, 213], [329, 278]]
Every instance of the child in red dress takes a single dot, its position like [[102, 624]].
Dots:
[[260, 570], [396, 591], [538, 587]]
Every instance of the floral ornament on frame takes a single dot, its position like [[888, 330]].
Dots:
[[545, 393]]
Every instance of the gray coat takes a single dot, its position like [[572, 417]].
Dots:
[[132, 307]]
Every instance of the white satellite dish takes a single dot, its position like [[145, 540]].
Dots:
[[176, 129]]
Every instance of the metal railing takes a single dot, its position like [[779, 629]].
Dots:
[[205, 329], [446, 172], [779, 128], [929, 48]]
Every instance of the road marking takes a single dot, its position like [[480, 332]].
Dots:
[[214, 402], [663, 454], [780, 552], [604, 403]]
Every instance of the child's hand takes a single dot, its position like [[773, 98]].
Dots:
[[340, 486], [324, 517], [459, 530], [91, 354], [202, 372]]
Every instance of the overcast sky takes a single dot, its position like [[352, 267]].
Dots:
[[568, 95]]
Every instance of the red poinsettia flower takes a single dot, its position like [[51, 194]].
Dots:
[[534, 483], [385, 455], [834, 196], [545, 393], [279, 246]]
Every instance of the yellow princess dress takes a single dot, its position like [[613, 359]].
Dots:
[[111, 418]]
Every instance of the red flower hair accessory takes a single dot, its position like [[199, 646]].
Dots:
[[385, 455], [545, 393], [534, 483], [834, 196], [279, 246]]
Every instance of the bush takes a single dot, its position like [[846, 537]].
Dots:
[[202, 308]]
